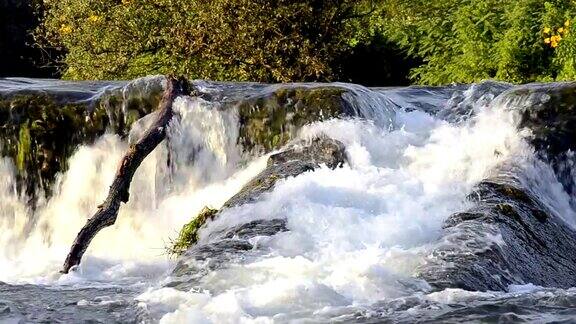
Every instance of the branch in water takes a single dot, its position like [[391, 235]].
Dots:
[[108, 210]]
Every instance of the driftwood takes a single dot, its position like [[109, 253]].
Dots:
[[118, 193]]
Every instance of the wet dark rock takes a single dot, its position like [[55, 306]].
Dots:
[[43, 122], [549, 111], [297, 159], [508, 237], [255, 228], [221, 247], [545, 306]]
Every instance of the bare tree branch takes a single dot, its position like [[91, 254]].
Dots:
[[118, 193]]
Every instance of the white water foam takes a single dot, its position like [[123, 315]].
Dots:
[[356, 234], [133, 248]]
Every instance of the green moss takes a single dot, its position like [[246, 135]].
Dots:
[[24, 148], [189, 234], [40, 133], [508, 210], [268, 122], [132, 117]]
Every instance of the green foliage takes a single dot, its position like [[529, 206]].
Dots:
[[109, 39], [256, 40], [189, 234], [467, 41], [282, 40]]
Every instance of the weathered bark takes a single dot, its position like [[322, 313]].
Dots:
[[118, 193]]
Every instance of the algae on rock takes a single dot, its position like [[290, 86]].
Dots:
[[189, 233], [294, 160], [41, 129], [40, 134], [270, 120]]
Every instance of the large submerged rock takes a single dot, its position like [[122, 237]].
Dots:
[[222, 246], [549, 111], [511, 236]]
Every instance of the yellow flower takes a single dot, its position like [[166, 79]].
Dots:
[[65, 29], [555, 40], [560, 30], [94, 18], [547, 40], [567, 23], [546, 30]]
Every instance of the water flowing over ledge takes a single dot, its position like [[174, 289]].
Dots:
[[441, 189]]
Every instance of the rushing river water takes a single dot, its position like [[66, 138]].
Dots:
[[356, 237]]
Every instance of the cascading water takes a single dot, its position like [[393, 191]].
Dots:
[[357, 237]]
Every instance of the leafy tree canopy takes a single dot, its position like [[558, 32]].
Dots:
[[256, 40], [439, 42], [465, 41]]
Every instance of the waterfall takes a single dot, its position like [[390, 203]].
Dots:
[[357, 241]]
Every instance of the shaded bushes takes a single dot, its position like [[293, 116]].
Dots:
[[241, 40], [378, 42], [18, 56]]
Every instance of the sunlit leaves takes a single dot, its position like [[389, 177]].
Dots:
[[256, 40]]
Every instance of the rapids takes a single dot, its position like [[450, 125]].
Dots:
[[358, 237]]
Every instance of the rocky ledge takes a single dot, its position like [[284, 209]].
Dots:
[[511, 236], [42, 122], [222, 246]]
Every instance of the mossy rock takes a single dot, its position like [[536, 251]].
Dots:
[[40, 134], [40, 130], [268, 121], [41, 125], [292, 161], [549, 111], [189, 233]]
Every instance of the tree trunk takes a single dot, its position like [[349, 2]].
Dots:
[[108, 210]]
